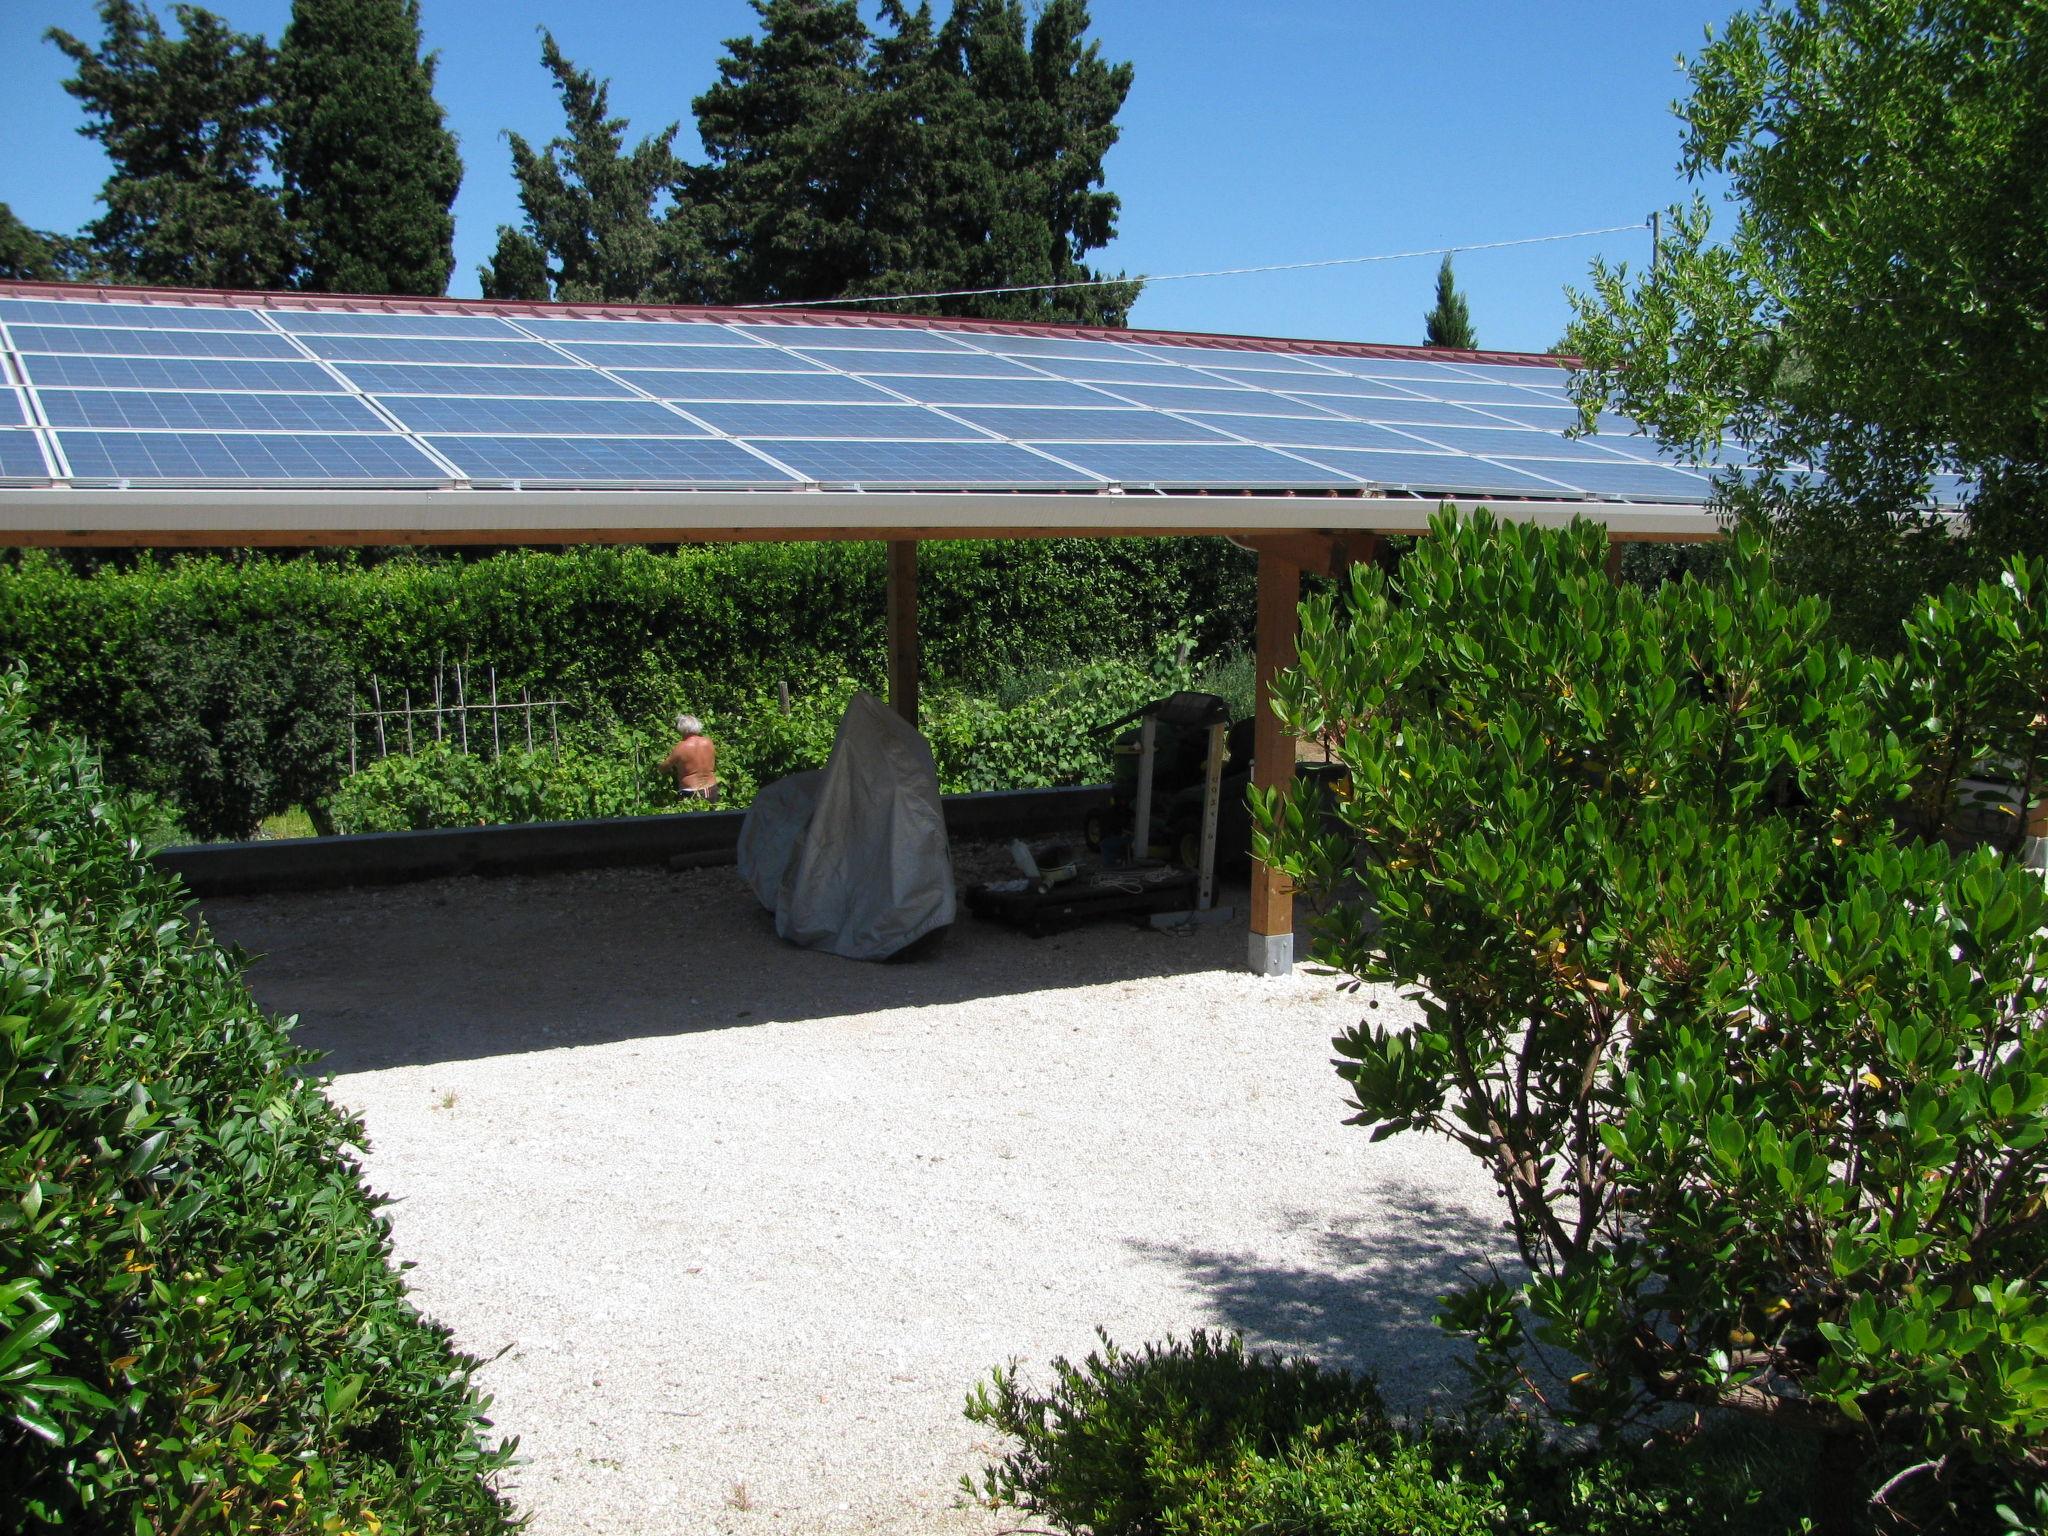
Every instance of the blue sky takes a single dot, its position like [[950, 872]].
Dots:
[[1290, 130]]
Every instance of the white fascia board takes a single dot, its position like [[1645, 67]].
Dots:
[[44, 515]]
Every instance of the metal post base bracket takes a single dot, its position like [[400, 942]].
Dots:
[[1272, 954]]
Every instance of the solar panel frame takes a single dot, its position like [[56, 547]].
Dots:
[[505, 416], [1216, 399], [734, 359], [1435, 473], [512, 352], [309, 323], [1058, 424], [858, 338], [99, 314], [700, 462], [931, 466], [469, 381], [50, 370], [561, 329], [1202, 466], [21, 455], [109, 342], [262, 458], [882, 364], [202, 411], [950, 392], [687, 386], [871, 423]]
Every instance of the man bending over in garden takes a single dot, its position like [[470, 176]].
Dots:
[[694, 761]]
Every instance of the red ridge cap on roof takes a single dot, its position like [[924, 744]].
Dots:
[[404, 304]]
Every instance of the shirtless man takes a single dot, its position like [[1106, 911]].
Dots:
[[694, 761]]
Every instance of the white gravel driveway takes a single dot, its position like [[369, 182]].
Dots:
[[739, 1225]]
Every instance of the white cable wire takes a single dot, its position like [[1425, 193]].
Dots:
[[1176, 277]]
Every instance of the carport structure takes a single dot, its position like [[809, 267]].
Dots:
[[177, 419]]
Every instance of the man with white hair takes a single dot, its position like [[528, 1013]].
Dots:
[[694, 761]]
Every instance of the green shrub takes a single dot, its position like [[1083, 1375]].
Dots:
[[200, 1326], [1203, 1438], [1757, 1063], [442, 786]]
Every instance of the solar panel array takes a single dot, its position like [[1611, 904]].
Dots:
[[176, 393]]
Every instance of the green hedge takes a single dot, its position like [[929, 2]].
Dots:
[[200, 1326], [131, 655]]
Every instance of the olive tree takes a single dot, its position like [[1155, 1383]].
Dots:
[[1756, 1059]]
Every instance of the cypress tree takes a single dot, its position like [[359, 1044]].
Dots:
[[784, 130], [370, 169], [606, 224], [1450, 323], [36, 255], [189, 123]]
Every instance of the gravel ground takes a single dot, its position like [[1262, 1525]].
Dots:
[[738, 1225]]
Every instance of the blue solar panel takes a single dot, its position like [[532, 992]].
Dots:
[[873, 422], [1438, 473], [1253, 401], [961, 364], [1620, 478], [962, 466], [1479, 392], [455, 379], [678, 384], [141, 343], [1317, 387], [1329, 433], [1247, 361], [1530, 375], [1637, 447], [1089, 370], [342, 322], [180, 410], [601, 418], [870, 338], [173, 316], [13, 409], [998, 391], [179, 373], [641, 355], [1545, 418], [20, 459], [1198, 466], [1514, 443], [1051, 347], [675, 332], [1422, 373], [693, 461], [412, 349], [1028, 425], [1402, 413], [261, 457]]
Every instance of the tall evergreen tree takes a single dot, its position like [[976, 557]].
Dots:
[[920, 157], [370, 169], [607, 224], [189, 123], [784, 130], [37, 255], [1450, 323]]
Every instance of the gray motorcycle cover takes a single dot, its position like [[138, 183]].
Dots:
[[853, 859]]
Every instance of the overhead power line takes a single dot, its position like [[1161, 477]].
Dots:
[[1178, 277]]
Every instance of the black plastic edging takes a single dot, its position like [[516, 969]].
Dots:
[[686, 839]]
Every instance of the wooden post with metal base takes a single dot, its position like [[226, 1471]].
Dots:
[[1271, 950]]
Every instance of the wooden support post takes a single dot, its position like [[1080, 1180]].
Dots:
[[1271, 950], [903, 655], [1614, 553]]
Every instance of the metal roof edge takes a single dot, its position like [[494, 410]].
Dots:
[[22, 288]]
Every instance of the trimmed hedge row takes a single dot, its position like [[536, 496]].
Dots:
[[225, 683], [200, 1326]]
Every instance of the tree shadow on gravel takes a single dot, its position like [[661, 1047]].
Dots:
[[1365, 1297], [454, 970]]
